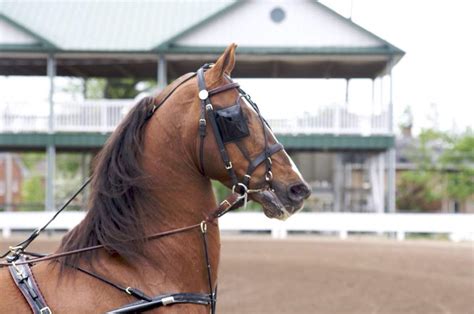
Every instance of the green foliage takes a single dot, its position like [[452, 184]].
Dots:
[[68, 164], [33, 190], [95, 88], [31, 160], [459, 162], [419, 191], [445, 168], [116, 88]]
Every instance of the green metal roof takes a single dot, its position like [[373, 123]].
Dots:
[[110, 38], [138, 26], [108, 25]]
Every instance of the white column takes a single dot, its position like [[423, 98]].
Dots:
[[391, 173], [338, 181], [381, 182], [51, 149], [162, 78], [373, 121], [346, 98], [8, 166]]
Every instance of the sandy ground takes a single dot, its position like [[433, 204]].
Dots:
[[325, 275]]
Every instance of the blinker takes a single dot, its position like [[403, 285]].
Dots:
[[231, 123]]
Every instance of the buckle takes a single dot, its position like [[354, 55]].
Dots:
[[46, 310], [229, 166], [202, 122], [167, 300]]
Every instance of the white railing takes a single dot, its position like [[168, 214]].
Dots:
[[458, 226], [104, 115]]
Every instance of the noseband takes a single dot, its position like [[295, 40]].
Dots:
[[229, 125]]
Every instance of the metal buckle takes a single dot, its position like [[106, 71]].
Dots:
[[246, 189], [269, 176], [15, 249], [209, 107], [203, 226], [127, 290], [225, 202], [46, 310], [229, 166], [167, 300], [202, 122]]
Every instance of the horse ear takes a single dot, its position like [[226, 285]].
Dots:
[[225, 63]]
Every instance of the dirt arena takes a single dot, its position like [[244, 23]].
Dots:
[[324, 275]]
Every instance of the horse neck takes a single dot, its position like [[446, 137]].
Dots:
[[182, 197]]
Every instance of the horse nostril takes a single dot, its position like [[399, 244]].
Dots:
[[298, 192]]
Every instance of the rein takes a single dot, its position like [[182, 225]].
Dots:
[[231, 202]]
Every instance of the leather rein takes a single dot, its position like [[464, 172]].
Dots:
[[18, 260]]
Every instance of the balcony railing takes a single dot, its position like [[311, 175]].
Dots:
[[104, 115]]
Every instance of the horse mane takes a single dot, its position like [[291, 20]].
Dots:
[[118, 195]]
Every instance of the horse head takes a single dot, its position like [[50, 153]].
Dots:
[[239, 148]]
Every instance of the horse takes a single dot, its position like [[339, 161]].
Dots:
[[154, 175]]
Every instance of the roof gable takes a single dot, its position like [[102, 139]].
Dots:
[[306, 24]]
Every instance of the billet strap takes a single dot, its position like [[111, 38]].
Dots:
[[164, 300], [25, 281], [233, 201]]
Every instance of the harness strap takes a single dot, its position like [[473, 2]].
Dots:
[[164, 300], [233, 201], [25, 281]]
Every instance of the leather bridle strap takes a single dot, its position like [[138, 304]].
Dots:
[[207, 107], [223, 88], [253, 164]]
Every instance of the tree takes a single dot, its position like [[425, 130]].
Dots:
[[444, 169], [422, 189], [459, 163]]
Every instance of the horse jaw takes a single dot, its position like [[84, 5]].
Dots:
[[272, 206]]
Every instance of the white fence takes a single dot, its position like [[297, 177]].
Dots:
[[105, 115], [87, 116], [458, 226]]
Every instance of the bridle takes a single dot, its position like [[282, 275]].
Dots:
[[222, 122], [213, 116]]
